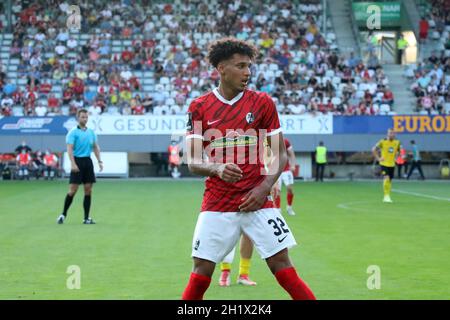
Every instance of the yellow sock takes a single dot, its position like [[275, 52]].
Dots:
[[244, 267], [387, 184], [225, 266]]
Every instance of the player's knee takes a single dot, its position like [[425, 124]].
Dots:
[[73, 190], [289, 190], [203, 267], [279, 261]]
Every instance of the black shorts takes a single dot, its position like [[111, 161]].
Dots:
[[387, 171], [86, 173]]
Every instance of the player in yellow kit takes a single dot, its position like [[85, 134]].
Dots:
[[389, 148]]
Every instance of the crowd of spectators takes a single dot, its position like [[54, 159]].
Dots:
[[431, 84], [145, 58]]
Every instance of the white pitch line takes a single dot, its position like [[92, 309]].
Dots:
[[421, 195]]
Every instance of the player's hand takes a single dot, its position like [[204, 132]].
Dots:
[[229, 172], [275, 191], [380, 159], [292, 168], [100, 165], [74, 168], [255, 199]]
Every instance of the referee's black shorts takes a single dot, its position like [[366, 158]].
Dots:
[[86, 173], [387, 171]]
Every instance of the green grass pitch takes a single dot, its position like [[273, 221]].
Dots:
[[140, 247]]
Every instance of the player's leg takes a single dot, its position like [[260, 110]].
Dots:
[[87, 203], [322, 170], [290, 192], [73, 188], [246, 251], [52, 173], [20, 172], [88, 179], [26, 173], [199, 280], [225, 269], [281, 267], [290, 200], [388, 175], [413, 166], [272, 236], [215, 235], [419, 166], [317, 172]]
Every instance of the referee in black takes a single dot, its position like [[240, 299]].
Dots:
[[81, 141]]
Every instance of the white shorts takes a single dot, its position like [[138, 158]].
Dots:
[[217, 233], [286, 178]]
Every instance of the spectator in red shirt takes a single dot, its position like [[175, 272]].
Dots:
[[78, 86], [138, 109], [23, 161], [126, 32], [388, 96], [6, 111], [134, 83], [148, 43], [423, 29], [67, 95], [52, 103], [127, 55], [45, 88]]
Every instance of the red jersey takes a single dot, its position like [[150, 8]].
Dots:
[[288, 145], [23, 159], [50, 160], [174, 154], [233, 131]]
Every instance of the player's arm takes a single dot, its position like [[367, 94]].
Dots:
[[255, 199], [291, 158], [376, 152], [228, 172], [73, 165], [97, 155]]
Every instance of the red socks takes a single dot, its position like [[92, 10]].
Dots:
[[287, 278], [278, 202], [196, 287], [295, 286], [290, 198]]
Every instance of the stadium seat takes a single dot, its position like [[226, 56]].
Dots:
[[384, 108], [17, 111], [336, 101], [376, 108], [435, 35]]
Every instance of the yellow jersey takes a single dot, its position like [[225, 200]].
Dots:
[[389, 150]]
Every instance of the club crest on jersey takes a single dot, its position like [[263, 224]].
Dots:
[[250, 117], [391, 150]]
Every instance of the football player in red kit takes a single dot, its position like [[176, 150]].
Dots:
[[229, 125]]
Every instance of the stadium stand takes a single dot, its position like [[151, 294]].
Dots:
[[131, 60]]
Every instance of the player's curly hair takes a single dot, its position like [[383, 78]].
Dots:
[[223, 49]]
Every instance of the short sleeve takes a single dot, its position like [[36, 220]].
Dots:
[[70, 138], [270, 120], [194, 120], [287, 144], [379, 144]]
